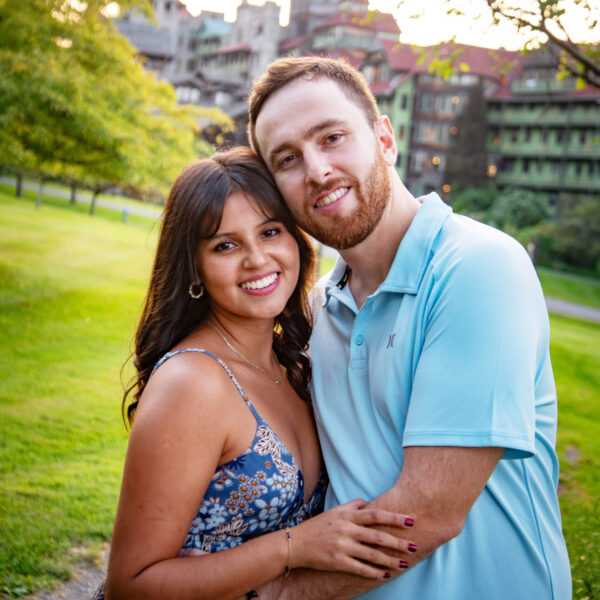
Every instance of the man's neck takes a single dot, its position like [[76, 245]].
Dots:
[[371, 260]]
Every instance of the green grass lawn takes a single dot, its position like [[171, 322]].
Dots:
[[71, 289], [574, 288]]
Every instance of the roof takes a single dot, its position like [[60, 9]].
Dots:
[[355, 60], [505, 89], [213, 27], [292, 43], [234, 48], [371, 21], [148, 39]]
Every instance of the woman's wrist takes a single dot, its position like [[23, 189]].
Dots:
[[288, 566]]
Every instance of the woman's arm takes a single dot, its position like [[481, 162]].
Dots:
[[183, 428]]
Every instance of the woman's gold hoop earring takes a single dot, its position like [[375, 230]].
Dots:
[[196, 293]]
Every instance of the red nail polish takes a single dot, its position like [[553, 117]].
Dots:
[[408, 522], [386, 575], [412, 547], [403, 564]]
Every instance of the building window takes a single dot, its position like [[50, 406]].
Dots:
[[528, 134], [399, 160], [401, 132], [514, 136], [425, 102], [404, 101]]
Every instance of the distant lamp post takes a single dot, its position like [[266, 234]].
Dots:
[[492, 170]]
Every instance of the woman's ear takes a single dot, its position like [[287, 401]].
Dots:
[[386, 139]]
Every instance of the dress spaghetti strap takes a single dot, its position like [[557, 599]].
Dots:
[[169, 355]]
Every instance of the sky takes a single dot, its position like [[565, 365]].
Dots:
[[432, 25]]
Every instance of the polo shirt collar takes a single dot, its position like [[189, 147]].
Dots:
[[414, 252], [412, 256]]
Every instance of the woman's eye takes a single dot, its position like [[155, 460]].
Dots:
[[334, 137], [223, 246], [271, 232]]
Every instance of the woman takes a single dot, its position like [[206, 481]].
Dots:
[[223, 467]]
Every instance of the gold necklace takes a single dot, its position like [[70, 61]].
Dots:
[[247, 360]]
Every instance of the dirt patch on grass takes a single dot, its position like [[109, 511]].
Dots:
[[86, 576]]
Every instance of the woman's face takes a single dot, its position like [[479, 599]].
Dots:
[[251, 265]]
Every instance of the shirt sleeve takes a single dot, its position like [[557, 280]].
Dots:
[[485, 334]]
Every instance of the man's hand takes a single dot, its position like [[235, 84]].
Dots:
[[438, 485]]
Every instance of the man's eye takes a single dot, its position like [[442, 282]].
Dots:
[[286, 161], [334, 137]]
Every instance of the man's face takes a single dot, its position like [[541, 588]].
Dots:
[[326, 159]]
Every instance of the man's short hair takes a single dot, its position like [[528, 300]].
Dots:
[[285, 70]]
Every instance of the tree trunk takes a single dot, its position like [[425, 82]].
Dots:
[[93, 202], [19, 185], [73, 198], [38, 200]]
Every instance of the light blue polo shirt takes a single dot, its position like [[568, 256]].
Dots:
[[451, 350]]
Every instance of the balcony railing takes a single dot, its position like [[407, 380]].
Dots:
[[573, 117], [535, 86], [550, 180]]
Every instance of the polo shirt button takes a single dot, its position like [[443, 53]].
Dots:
[[358, 340]]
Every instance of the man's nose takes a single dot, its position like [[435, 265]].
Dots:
[[317, 166]]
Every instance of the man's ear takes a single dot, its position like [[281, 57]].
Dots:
[[386, 139]]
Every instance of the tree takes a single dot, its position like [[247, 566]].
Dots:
[[575, 241], [538, 22], [515, 208], [77, 106], [546, 17], [466, 162]]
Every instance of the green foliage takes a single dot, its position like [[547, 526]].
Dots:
[[475, 201], [518, 209], [76, 104], [535, 21], [575, 240]]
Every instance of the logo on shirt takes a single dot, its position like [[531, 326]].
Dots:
[[390, 343]]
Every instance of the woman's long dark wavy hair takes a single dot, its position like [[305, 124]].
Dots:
[[193, 212]]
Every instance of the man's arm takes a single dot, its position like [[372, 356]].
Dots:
[[438, 486]]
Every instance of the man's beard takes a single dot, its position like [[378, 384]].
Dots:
[[346, 232]]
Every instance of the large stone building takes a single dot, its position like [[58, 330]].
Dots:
[[544, 133], [535, 131]]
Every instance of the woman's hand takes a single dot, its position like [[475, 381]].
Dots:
[[342, 539]]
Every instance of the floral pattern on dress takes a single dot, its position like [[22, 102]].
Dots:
[[259, 491]]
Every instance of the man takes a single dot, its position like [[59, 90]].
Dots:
[[432, 384]]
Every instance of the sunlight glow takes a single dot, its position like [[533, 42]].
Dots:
[[426, 23]]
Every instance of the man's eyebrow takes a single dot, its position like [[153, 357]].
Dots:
[[307, 134]]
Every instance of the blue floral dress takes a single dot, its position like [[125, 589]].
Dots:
[[260, 491]]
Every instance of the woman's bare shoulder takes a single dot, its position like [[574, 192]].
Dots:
[[189, 385]]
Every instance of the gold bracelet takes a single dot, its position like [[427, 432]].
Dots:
[[288, 566]]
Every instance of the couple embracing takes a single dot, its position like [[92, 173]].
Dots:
[[390, 434]]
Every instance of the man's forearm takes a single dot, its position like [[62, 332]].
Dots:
[[306, 584]]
